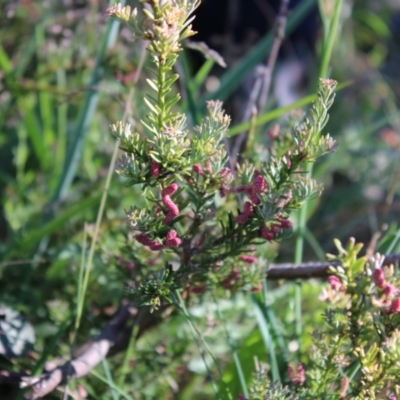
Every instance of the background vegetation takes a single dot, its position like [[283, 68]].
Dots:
[[66, 75]]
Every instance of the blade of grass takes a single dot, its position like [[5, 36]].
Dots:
[[278, 332], [278, 112], [62, 120], [96, 232], [27, 105], [82, 268], [262, 322], [114, 387], [394, 242], [271, 115], [190, 91], [202, 74], [110, 382], [126, 369], [199, 338], [313, 242], [389, 242], [330, 39], [197, 81], [45, 101], [235, 355], [5, 63], [21, 154]]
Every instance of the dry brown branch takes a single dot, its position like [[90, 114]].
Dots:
[[262, 82], [280, 25], [81, 365], [312, 269], [113, 338]]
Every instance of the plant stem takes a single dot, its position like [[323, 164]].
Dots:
[[235, 355], [330, 39], [196, 334], [302, 214]]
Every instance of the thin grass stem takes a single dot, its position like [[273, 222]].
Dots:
[[302, 214], [235, 354], [198, 337]]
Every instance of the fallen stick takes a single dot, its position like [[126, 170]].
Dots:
[[312, 269], [91, 356]]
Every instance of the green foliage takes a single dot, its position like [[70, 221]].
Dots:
[[355, 354], [362, 329], [194, 222]]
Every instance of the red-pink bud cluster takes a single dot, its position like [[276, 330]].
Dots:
[[248, 209], [225, 173], [146, 241], [171, 240], [198, 289], [259, 185], [256, 288], [282, 202], [248, 259], [335, 283], [274, 132], [266, 233], [285, 223], [232, 279], [208, 167], [256, 188], [344, 386], [395, 306], [172, 208], [244, 188], [388, 290], [154, 169], [275, 228], [198, 169], [169, 190], [379, 278], [270, 233], [223, 191], [297, 377]]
